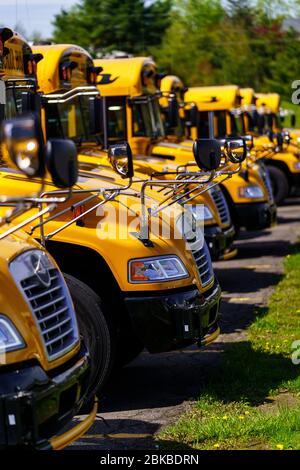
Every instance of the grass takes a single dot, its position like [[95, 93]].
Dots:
[[254, 400]]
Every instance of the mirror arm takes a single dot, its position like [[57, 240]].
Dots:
[[62, 212], [91, 209], [113, 194], [22, 224], [144, 219]]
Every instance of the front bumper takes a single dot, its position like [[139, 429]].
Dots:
[[35, 406], [169, 321], [256, 216], [219, 241]]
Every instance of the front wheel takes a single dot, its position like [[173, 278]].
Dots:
[[280, 184], [97, 334]]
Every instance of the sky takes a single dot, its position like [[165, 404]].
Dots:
[[32, 15]]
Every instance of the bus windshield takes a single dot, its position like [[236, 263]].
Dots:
[[147, 120], [237, 123], [70, 119], [14, 97]]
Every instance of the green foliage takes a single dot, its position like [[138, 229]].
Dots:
[[103, 25], [203, 41], [243, 43]]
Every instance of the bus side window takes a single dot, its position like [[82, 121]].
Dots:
[[116, 119], [221, 124], [203, 125]]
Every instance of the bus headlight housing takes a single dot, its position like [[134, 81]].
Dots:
[[251, 192], [10, 338], [156, 269]]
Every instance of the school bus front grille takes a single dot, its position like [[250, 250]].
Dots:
[[53, 311], [221, 204]]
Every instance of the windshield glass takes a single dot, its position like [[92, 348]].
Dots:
[[116, 119], [70, 119], [14, 93], [237, 124], [158, 124], [203, 124], [220, 124], [147, 118]]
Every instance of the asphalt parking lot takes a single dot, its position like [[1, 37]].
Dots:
[[154, 390]]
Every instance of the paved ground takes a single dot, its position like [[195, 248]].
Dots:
[[154, 391]]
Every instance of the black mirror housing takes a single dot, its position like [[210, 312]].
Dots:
[[96, 114], [61, 161], [207, 153], [120, 157]]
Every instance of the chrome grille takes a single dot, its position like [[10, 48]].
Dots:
[[265, 176], [49, 301], [221, 204], [204, 265]]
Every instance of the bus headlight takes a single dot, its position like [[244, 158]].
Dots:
[[200, 212], [157, 269], [297, 166], [10, 338], [251, 192]]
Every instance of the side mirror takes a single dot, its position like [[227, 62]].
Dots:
[[248, 139], [61, 161], [236, 150], [293, 120], [120, 157], [191, 116], [207, 153], [172, 112], [96, 115], [23, 144]]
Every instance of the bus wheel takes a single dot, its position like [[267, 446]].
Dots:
[[95, 331], [280, 184]]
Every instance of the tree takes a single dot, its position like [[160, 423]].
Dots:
[[132, 26], [203, 46]]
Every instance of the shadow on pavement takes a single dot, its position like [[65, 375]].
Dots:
[[248, 280]]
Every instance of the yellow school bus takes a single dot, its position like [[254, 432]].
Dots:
[[283, 162], [131, 94], [44, 371], [156, 293], [248, 193]]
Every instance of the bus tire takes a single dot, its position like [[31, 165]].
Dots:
[[98, 336], [280, 184]]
